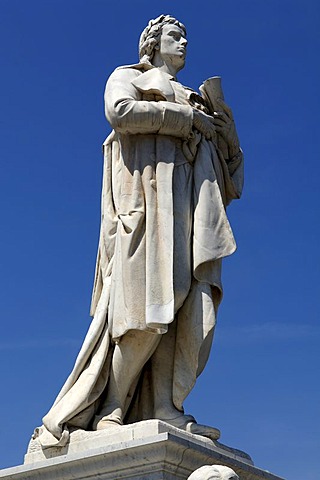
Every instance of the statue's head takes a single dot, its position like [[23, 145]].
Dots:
[[214, 472], [151, 35]]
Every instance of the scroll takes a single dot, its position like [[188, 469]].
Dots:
[[211, 91]]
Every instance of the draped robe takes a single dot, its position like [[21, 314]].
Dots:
[[164, 232]]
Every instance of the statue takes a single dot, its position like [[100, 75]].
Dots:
[[171, 166], [213, 472]]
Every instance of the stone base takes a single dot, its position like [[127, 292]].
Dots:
[[150, 450]]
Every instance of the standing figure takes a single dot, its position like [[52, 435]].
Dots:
[[164, 232]]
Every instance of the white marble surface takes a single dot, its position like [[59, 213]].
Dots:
[[214, 472], [150, 450], [82, 441], [164, 233]]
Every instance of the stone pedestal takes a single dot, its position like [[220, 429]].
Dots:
[[150, 450]]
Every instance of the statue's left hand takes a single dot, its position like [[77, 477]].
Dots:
[[225, 126]]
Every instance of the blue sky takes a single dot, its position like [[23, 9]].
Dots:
[[261, 385]]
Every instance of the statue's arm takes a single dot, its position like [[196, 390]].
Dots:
[[235, 162], [129, 114], [225, 126]]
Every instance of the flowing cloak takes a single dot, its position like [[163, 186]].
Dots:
[[134, 281]]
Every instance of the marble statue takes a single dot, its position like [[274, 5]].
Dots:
[[213, 472], [171, 166]]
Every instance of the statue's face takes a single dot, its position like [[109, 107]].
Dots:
[[173, 46]]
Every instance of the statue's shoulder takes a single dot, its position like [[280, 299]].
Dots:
[[128, 72], [140, 67]]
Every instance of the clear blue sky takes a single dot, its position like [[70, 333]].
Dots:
[[261, 385]]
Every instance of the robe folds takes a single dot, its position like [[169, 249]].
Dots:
[[165, 190]]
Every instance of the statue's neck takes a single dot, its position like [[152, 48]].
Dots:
[[167, 67]]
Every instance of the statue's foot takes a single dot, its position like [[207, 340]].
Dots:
[[189, 424], [107, 422], [203, 430]]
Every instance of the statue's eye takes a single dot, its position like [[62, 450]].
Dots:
[[176, 36]]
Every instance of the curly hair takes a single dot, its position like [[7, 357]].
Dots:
[[217, 472], [151, 35]]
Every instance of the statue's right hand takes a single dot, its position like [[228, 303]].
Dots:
[[204, 124]]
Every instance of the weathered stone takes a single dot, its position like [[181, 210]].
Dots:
[[172, 165], [150, 450]]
